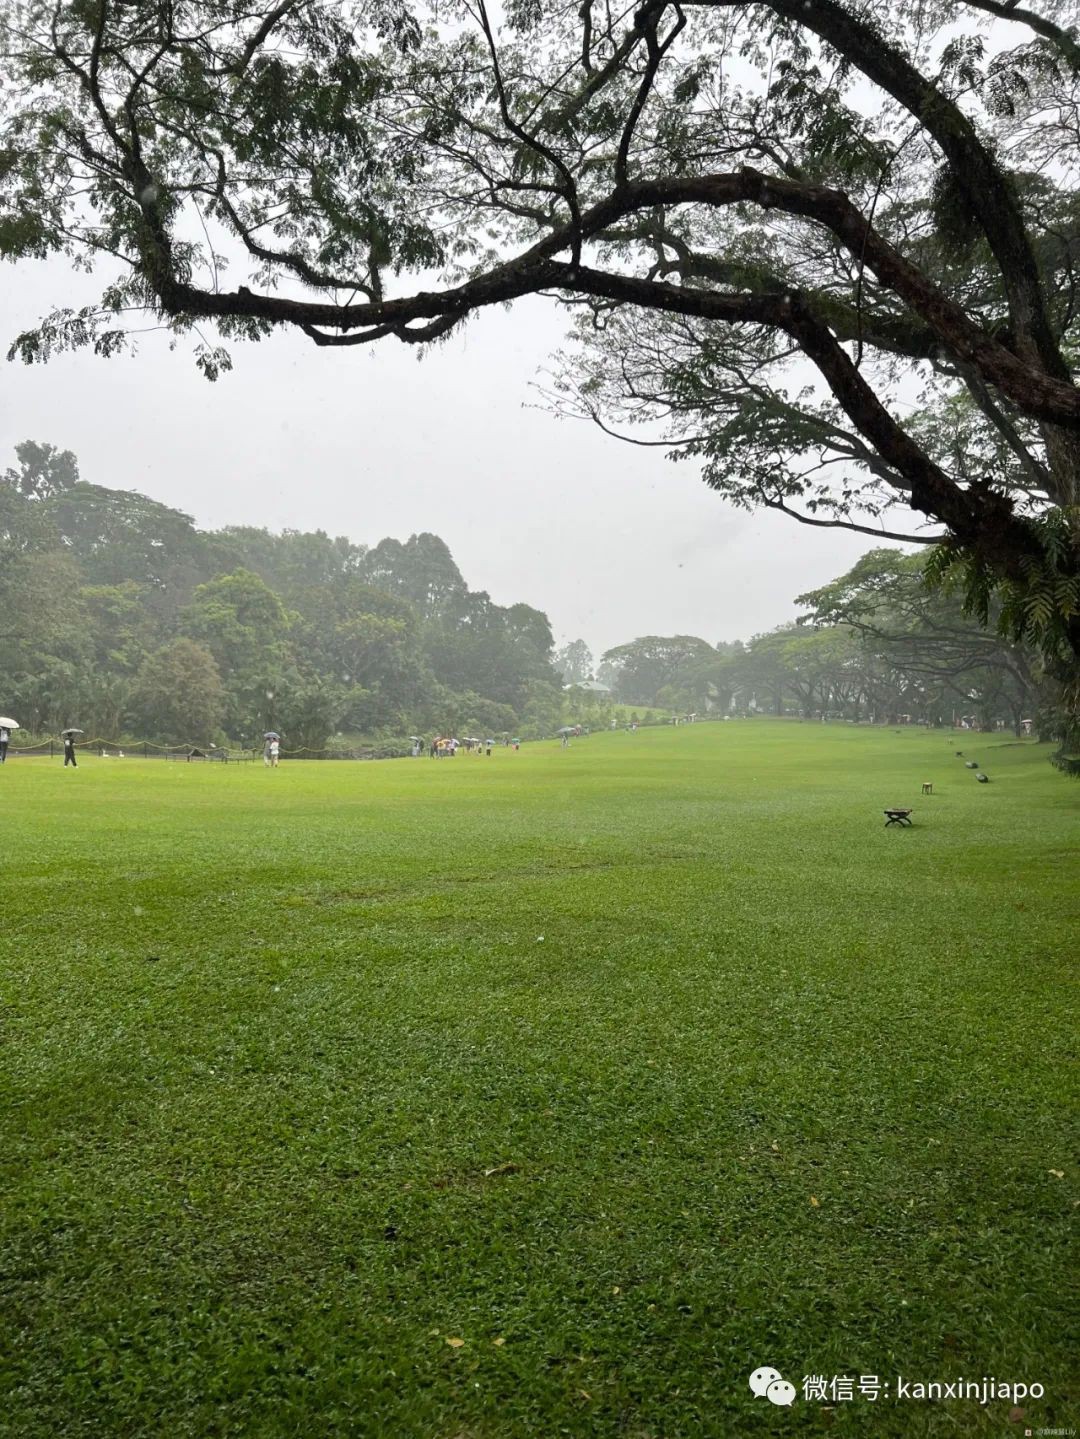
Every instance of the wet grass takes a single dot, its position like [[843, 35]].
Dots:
[[550, 1093]]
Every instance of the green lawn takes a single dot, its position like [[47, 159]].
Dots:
[[760, 1081]]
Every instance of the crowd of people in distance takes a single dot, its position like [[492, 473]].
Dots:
[[446, 746]]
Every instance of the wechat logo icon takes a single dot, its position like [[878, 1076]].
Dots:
[[767, 1383]]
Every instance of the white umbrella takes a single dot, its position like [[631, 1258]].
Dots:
[[9, 723]]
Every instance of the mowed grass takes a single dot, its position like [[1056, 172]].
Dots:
[[545, 1094]]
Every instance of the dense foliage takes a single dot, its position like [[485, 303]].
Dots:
[[831, 246], [878, 645], [121, 616]]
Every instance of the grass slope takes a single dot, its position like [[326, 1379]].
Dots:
[[762, 1083]]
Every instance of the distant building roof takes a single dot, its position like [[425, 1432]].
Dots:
[[593, 687]]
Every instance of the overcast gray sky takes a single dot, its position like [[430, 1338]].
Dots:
[[612, 541]]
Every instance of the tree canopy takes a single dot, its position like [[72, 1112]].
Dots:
[[119, 613], [574, 662], [654, 669], [295, 631], [922, 634], [785, 224]]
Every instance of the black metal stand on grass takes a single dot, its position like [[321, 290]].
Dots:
[[897, 816]]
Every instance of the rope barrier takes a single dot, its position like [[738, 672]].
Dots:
[[128, 747], [133, 749], [167, 749]]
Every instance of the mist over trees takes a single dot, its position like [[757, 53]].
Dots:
[[574, 662], [875, 645], [122, 616], [828, 248]]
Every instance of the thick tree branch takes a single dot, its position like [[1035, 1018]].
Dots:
[[1064, 39], [647, 20], [1030, 388], [895, 334], [977, 172]]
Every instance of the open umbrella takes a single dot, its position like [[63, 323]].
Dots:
[[72, 731], [271, 734], [566, 729], [416, 738], [9, 723]]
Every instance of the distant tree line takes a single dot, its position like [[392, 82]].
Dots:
[[118, 614], [877, 644], [845, 285]]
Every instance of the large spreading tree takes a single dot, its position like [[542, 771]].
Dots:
[[832, 244]]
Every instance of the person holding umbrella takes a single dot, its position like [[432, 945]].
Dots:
[[270, 740], [6, 726], [68, 736]]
